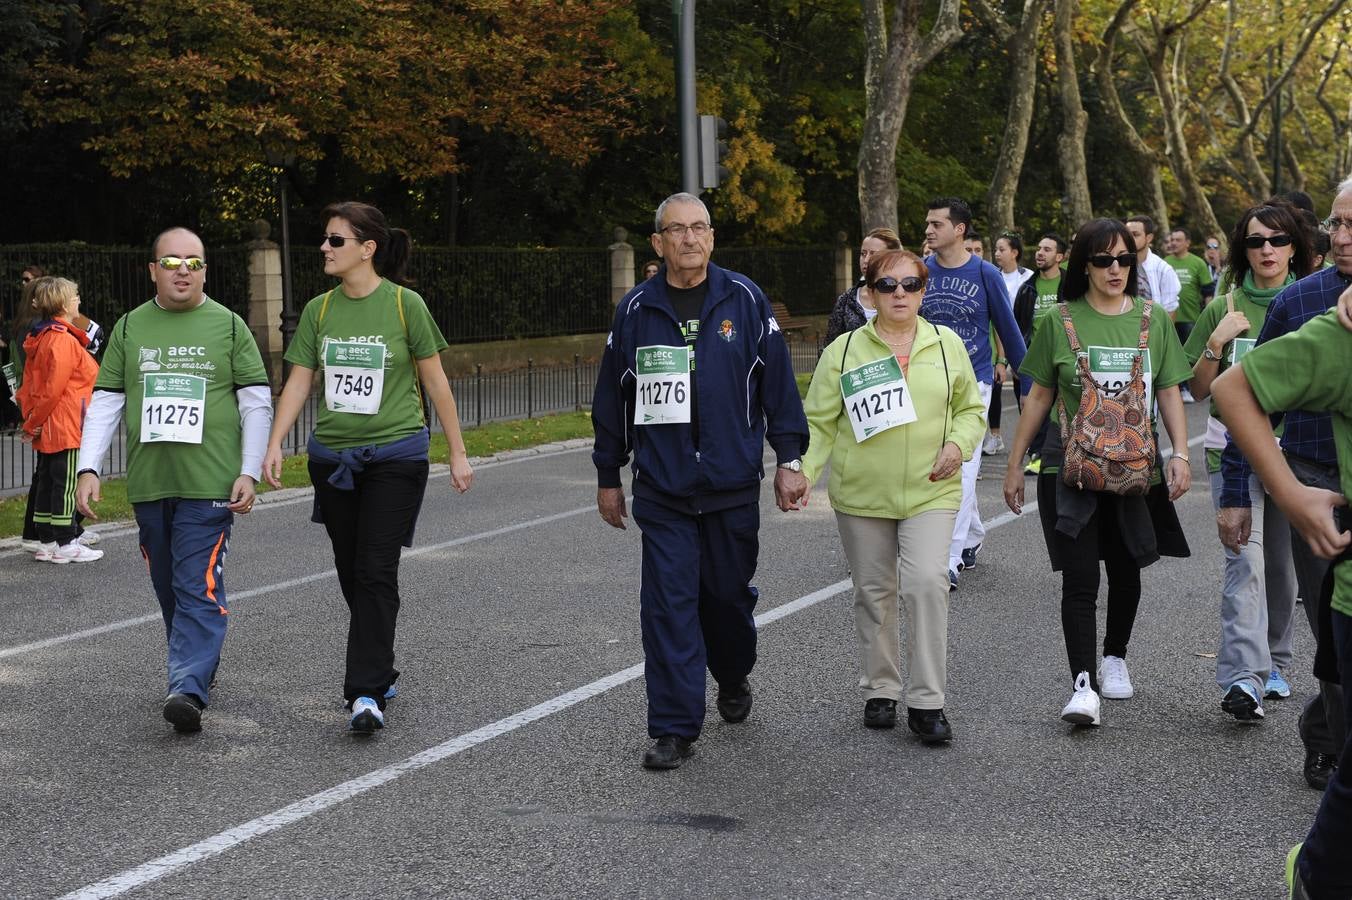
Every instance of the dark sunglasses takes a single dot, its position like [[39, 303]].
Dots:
[[194, 263], [1105, 260], [888, 285], [1256, 241], [336, 240]]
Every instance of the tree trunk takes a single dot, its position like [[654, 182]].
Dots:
[[892, 59], [1021, 47], [1196, 206], [1258, 184], [1074, 120], [1142, 156]]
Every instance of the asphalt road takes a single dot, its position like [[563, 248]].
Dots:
[[509, 767]]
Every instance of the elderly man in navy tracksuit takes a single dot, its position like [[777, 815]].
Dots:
[[695, 378]]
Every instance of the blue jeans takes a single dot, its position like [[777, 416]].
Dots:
[[184, 543], [696, 607], [1323, 860]]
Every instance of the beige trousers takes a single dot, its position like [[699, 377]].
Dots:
[[906, 559]]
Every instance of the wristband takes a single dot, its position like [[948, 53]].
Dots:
[[93, 472], [1182, 456], [1002, 361]]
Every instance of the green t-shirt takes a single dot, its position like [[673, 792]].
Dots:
[[1193, 275], [1111, 343], [152, 345], [1311, 369], [391, 317], [1046, 296], [1255, 311]]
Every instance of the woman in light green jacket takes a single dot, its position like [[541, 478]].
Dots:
[[894, 407]]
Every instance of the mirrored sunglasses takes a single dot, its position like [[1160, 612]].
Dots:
[[194, 263]]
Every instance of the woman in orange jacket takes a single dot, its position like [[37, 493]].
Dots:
[[57, 386]]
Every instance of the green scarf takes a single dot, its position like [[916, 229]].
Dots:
[[1263, 296]]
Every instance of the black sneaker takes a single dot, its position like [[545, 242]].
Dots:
[[930, 725], [1319, 769], [669, 752], [734, 703], [969, 557], [184, 712], [880, 712], [952, 581]]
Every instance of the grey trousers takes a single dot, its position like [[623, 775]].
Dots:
[[906, 559], [1258, 581]]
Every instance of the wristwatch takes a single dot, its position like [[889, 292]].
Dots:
[[793, 465], [1206, 352]]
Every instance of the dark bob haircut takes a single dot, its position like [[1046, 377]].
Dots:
[[1094, 237], [1279, 215]]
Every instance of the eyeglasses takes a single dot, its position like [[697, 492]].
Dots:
[[336, 240], [194, 263], [1256, 241], [1332, 224], [1105, 260], [677, 230], [888, 285], [1212, 246]]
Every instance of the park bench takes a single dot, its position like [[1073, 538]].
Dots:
[[787, 323]]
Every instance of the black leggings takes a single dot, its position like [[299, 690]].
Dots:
[[1100, 539], [993, 414]]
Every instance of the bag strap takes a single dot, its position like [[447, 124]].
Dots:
[[1144, 341], [1070, 327]]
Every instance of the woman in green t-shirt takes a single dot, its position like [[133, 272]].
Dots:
[[1269, 249], [1082, 526], [378, 348]]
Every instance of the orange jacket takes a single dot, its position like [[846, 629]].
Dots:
[[58, 381]]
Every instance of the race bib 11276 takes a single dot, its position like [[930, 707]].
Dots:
[[662, 393]]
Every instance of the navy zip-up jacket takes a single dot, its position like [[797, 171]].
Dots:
[[744, 387]]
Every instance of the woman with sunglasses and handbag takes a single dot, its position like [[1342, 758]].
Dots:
[[1100, 494], [377, 348], [894, 407], [1269, 249]]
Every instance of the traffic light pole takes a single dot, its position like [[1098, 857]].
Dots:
[[684, 10]]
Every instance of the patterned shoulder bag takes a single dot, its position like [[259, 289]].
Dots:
[[1110, 445]]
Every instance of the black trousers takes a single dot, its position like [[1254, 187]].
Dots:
[[1100, 540], [367, 527], [53, 496]]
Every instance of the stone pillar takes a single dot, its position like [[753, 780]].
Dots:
[[621, 266], [844, 263], [265, 300]]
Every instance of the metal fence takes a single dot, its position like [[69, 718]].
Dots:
[[114, 280], [488, 294], [481, 398]]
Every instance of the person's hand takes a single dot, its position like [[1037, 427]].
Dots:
[[1310, 512], [1178, 477], [272, 466], [1231, 325], [1233, 525], [242, 495], [87, 493], [462, 475], [947, 462], [1001, 373], [610, 504], [29, 437], [1345, 308], [791, 489], [1014, 487]]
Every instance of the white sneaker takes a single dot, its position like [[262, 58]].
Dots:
[[1083, 708], [31, 546], [45, 552], [366, 716], [89, 538], [1113, 679], [993, 443], [76, 552], [1187, 396]]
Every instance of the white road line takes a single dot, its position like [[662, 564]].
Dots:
[[233, 596], [139, 876]]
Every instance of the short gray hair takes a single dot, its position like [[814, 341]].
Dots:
[[682, 197], [1344, 186]]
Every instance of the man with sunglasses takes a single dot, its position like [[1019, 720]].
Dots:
[[697, 434], [1214, 258], [968, 295], [188, 375]]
